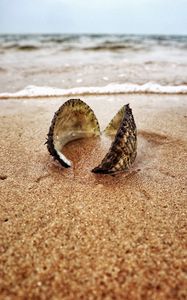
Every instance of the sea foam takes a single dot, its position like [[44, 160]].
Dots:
[[32, 91]]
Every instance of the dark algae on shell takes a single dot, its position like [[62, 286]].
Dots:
[[75, 120]]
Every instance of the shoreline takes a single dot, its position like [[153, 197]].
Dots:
[[70, 233], [149, 88]]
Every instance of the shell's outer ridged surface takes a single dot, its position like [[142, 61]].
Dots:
[[74, 120], [122, 152]]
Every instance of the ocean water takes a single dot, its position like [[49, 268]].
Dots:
[[56, 65]]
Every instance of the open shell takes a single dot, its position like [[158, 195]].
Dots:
[[122, 152], [74, 120]]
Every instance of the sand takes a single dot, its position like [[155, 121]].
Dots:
[[72, 234]]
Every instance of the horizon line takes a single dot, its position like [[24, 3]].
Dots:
[[91, 33]]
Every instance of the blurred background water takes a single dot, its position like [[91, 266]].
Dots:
[[68, 61]]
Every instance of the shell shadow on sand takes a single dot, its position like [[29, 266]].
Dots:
[[87, 151]]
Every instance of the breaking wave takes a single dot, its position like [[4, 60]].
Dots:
[[126, 88]]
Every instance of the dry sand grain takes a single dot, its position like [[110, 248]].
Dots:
[[72, 234]]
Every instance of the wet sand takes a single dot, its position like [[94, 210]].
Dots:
[[72, 234]]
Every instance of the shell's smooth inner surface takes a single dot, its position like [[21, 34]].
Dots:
[[74, 120], [114, 124], [122, 152]]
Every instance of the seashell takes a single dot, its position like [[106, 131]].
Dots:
[[73, 120], [123, 150]]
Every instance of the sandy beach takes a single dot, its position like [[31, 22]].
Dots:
[[72, 234]]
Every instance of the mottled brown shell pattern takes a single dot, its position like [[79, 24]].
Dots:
[[123, 150]]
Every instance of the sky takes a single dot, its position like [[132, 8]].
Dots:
[[94, 16]]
